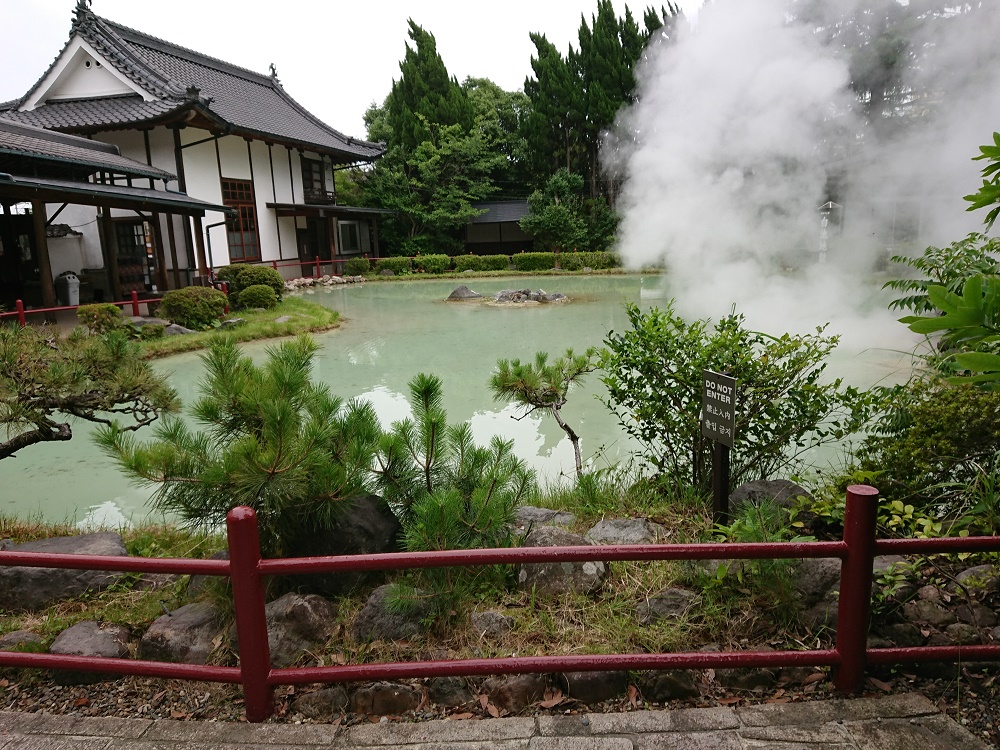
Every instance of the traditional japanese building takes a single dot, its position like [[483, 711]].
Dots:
[[223, 135]]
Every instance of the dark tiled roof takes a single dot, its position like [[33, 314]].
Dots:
[[60, 151], [179, 78], [500, 211]]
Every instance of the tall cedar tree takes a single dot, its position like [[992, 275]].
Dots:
[[424, 95]]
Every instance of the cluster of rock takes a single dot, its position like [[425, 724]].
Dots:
[[508, 296], [172, 329], [961, 612], [293, 285]]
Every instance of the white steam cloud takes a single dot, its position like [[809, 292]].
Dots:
[[742, 126]]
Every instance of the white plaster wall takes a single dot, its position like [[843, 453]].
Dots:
[[283, 184]]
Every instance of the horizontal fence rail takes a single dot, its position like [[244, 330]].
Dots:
[[247, 570], [21, 312]]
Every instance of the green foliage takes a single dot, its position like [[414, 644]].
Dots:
[[596, 260], [555, 217], [932, 443], [357, 267], [989, 193], [101, 318], [239, 276], [257, 295], [498, 118], [449, 492], [784, 406], [195, 307], [540, 385], [533, 261], [949, 267], [904, 520], [46, 379], [398, 266], [152, 331], [481, 262], [432, 263], [272, 439]]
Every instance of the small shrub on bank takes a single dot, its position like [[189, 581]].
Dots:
[[100, 318], [240, 277], [432, 263], [533, 261], [258, 295], [481, 262], [357, 267], [152, 331], [396, 265], [193, 307], [595, 260]]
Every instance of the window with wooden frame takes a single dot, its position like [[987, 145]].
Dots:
[[241, 229]]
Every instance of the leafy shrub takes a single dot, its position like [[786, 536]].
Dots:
[[533, 261], [357, 267], [481, 262], [257, 295], [101, 318], [783, 407], [240, 276], [395, 264], [597, 260], [195, 307], [432, 263]]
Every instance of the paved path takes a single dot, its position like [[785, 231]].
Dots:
[[905, 722]]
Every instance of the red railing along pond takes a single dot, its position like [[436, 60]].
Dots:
[[247, 570]]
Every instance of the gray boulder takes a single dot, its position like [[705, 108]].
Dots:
[[13, 641], [626, 531], [89, 638], [187, 635], [175, 330], [782, 491], [491, 624], [554, 578], [981, 578], [670, 685], [463, 293], [377, 620], [385, 699], [514, 694], [233, 323], [669, 604], [449, 691], [527, 516], [296, 624], [595, 687], [816, 577], [368, 527], [36, 588], [322, 705], [929, 612]]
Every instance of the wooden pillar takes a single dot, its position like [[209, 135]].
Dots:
[[331, 229], [44, 264], [199, 239], [161, 260], [375, 237], [109, 249], [172, 239]]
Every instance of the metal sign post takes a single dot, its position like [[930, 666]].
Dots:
[[718, 423]]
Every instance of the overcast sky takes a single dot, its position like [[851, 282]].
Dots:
[[333, 57]]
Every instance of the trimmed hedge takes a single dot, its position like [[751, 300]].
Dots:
[[101, 317], [258, 295], [596, 260], [357, 267], [195, 307], [432, 263], [239, 277], [481, 262], [395, 264], [533, 261]]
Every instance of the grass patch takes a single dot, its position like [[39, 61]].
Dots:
[[306, 317], [509, 273]]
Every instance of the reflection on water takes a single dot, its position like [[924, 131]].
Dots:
[[391, 332]]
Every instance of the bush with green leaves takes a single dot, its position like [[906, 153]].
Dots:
[[101, 318], [195, 307], [357, 267], [433, 263], [784, 405], [395, 264], [533, 261], [239, 276], [988, 196], [481, 262], [270, 438], [258, 295], [597, 260], [449, 493]]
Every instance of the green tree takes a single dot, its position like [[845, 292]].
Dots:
[[272, 440], [784, 406], [424, 95], [989, 194], [556, 109], [46, 379], [540, 385], [498, 118], [557, 218]]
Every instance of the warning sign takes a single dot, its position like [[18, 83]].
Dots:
[[718, 408]]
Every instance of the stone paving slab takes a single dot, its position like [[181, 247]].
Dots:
[[903, 722]]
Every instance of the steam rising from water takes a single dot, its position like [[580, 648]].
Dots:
[[726, 160]]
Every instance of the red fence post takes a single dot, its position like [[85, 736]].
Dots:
[[318, 274], [135, 304], [225, 291], [274, 265], [854, 608], [19, 306], [251, 625]]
